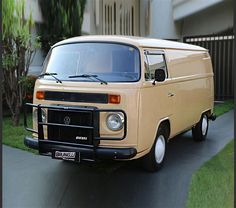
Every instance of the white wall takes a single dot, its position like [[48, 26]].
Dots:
[[89, 24], [162, 23], [184, 8], [213, 20], [92, 22], [33, 6], [38, 58]]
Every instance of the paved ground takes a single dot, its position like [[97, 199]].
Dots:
[[35, 181]]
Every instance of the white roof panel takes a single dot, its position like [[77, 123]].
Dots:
[[133, 40]]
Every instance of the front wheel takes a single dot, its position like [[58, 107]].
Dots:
[[153, 161], [199, 132]]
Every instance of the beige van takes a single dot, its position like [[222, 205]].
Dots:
[[120, 98]]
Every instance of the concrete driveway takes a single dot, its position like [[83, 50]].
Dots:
[[36, 181]]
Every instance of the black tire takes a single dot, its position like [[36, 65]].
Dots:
[[199, 132], [150, 162]]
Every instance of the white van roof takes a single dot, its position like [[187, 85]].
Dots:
[[133, 40]]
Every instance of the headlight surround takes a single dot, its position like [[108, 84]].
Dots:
[[115, 121], [44, 116]]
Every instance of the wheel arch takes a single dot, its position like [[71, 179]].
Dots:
[[208, 112], [165, 123]]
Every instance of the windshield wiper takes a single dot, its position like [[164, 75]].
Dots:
[[50, 74], [89, 76]]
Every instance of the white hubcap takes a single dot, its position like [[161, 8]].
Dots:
[[204, 124], [160, 149]]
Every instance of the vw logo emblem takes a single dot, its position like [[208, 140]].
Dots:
[[67, 120]]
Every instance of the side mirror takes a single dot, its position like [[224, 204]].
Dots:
[[160, 75]]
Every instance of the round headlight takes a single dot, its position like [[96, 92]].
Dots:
[[115, 121], [44, 116]]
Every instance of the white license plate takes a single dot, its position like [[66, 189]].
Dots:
[[65, 155]]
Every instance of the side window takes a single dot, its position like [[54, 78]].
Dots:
[[153, 62]]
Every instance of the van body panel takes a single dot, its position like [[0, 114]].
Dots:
[[192, 78], [153, 99]]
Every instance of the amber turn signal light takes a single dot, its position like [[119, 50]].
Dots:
[[40, 95], [115, 99]]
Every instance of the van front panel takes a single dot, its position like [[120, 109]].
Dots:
[[129, 95]]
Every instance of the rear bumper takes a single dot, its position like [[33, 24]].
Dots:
[[212, 117], [87, 152]]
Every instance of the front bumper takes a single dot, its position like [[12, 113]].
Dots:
[[87, 152]]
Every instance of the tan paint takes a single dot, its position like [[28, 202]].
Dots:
[[146, 105]]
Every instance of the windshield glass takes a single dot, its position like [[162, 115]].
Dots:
[[109, 61]]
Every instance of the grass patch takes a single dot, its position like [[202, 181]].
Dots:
[[14, 135], [224, 107], [212, 185]]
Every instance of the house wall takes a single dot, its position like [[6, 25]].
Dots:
[[111, 17], [38, 58], [211, 21], [166, 19], [32, 6], [162, 24], [185, 8]]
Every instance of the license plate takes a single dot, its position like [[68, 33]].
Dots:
[[72, 156]]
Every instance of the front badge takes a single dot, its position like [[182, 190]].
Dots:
[[67, 120]]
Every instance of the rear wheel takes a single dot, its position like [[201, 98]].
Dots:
[[199, 132], [154, 160]]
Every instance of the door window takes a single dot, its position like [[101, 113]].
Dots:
[[152, 62]]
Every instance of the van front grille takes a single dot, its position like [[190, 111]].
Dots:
[[77, 97], [68, 134]]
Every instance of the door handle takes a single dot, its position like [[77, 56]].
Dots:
[[170, 94]]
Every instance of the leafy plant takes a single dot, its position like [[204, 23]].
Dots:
[[18, 50], [62, 19]]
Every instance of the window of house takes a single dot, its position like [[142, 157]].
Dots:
[[152, 62], [118, 18]]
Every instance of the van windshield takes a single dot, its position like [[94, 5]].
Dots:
[[110, 62]]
